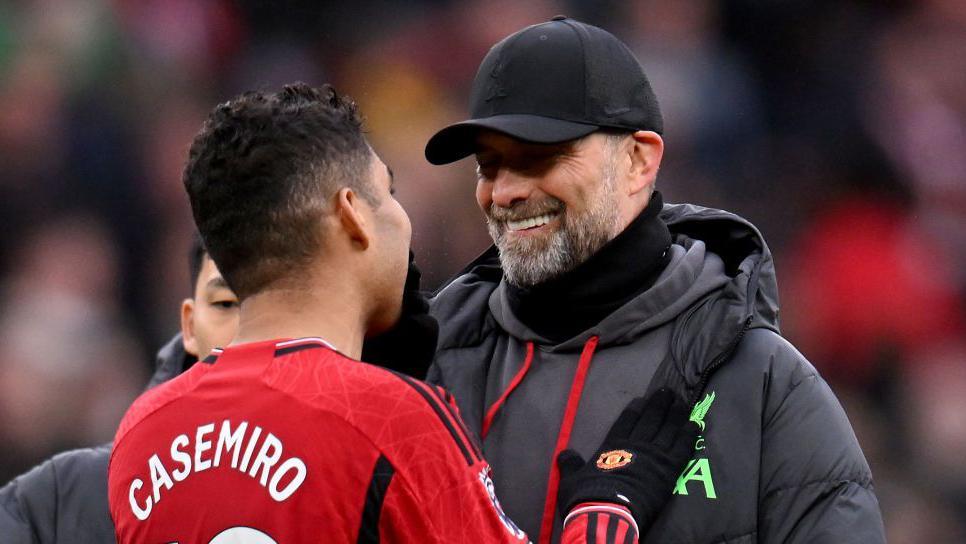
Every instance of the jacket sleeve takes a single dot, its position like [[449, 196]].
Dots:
[[63, 499], [27, 506], [816, 485]]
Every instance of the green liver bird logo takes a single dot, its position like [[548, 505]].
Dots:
[[701, 409]]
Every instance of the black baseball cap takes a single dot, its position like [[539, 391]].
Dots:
[[549, 83]]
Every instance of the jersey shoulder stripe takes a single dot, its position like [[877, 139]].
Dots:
[[382, 474], [424, 390], [447, 401]]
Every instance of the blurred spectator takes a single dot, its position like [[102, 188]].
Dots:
[[65, 370], [917, 110], [868, 287]]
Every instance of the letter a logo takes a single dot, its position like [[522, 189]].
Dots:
[[697, 469]]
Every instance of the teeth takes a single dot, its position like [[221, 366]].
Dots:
[[530, 223]]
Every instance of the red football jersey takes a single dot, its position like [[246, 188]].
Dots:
[[290, 442]]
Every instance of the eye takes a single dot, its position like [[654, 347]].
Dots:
[[225, 304], [484, 169]]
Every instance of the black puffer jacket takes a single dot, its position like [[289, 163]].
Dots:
[[777, 460], [64, 499]]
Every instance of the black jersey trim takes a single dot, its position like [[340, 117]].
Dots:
[[293, 349], [613, 520], [441, 413], [591, 527], [630, 535], [446, 400], [382, 475], [210, 360]]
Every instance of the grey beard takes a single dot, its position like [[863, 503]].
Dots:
[[530, 261]]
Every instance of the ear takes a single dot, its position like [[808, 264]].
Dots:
[[647, 149], [188, 338], [352, 217]]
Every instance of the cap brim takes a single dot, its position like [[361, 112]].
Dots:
[[459, 140]]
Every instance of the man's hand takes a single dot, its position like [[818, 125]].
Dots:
[[408, 347], [638, 462]]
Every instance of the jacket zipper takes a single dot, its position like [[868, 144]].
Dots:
[[718, 361]]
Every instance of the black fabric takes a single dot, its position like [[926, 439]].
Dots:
[[382, 475], [653, 439], [553, 82], [592, 527], [625, 267], [612, 521], [408, 347], [295, 349]]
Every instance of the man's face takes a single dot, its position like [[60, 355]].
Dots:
[[210, 319], [548, 207], [391, 240]]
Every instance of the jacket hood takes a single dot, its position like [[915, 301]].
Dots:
[[720, 281]]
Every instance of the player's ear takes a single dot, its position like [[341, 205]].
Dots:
[[646, 152], [352, 217], [188, 338]]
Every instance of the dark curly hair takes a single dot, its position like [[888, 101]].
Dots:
[[260, 174]]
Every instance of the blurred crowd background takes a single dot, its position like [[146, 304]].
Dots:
[[837, 126]]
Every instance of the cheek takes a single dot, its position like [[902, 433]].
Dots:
[[224, 329], [484, 195], [572, 188]]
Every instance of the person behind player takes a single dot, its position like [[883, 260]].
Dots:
[[64, 499], [596, 292], [284, 436]]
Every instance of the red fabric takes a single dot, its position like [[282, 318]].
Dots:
[[563, 438], [336, 416], [602, 515], [491, 413]]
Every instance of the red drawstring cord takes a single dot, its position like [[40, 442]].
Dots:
[[563, 438], [491, 413]]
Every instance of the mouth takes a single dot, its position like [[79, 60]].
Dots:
[[530, 223]]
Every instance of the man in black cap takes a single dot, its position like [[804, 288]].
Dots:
[[596, 292]]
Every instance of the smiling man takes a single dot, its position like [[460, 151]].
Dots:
[[596, 292], [285, 435]]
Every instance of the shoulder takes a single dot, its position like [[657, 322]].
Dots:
[[764, 351], [156, 398], [65, 493], [780, 382], [376, 402], [461, 306]]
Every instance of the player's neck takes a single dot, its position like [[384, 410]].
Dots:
[[330, 313]]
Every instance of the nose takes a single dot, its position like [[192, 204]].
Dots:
[[508, 188]]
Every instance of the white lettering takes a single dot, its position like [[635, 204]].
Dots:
[[281, 480], [251, 447], [140, 513], [180, 457], [293, 463], [159, 477], [228, 440], [201, 446], [266, 460]]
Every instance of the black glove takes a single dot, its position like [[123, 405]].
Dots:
[[638, 462], [410, 345]]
